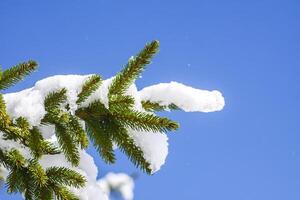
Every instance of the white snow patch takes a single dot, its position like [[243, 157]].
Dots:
[[185, 97], [154, 146]]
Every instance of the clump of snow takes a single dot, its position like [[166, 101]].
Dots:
[[118, 182], [29, 103], [186, 98], [154, 146]]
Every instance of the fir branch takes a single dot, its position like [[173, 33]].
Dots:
[[14, 133], [65, 176], [126, 145], [44, 193], [15, 159], [101, 140], [96, 117], [37, 174], [35, 142], [95, 110], [142, 121], [15, 181], [78, 132], [133, 69], [63, 193], [67, 144], [16, 73], [121, 102], [4, 118], [54, 99], [29, 192], [38, 146], [90, 86], [154, 106]]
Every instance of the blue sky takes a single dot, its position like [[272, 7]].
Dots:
[[247, 49]]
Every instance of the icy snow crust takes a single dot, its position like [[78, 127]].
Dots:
[[29, 103]]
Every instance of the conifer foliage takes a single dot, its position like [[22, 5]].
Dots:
[[103, 125]]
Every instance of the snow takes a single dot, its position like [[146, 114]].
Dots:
[[154, 146], [29, 103], [119, 182], [187, 98]]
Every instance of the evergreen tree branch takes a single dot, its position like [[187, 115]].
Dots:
[[16, 73], [78, 132], [101, 140], [154, 106], [133, 69], [126, 145], [90, 86], [54, 99], [15, 181], [66, 142], [63, 193], [142, 121], [121, 102], [65, 176], [5, 120], [37, 174]]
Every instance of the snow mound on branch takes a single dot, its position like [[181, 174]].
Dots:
[[118, 182], [186, 98], [29, 103], [153, 145]]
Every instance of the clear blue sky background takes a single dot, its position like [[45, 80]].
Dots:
[[247, 49]]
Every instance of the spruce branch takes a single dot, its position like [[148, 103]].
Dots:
[[45, 193], [15, 181], [63, 193], [133, 69], [127, 145], [90, 86], [142, 121], [37, 174], [78, 132], [121, 102], [154, 106], [65, 176], [16, 73], [38, 146], [66, 142], [96, 117], [101, 140], [54, 99], [15, 159]]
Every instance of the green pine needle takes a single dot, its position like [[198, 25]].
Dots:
[[127, 146], [37, 173], [121, 102], [65, 176], [15, 159], [78, 132], [16, 73], [101, 140], [133, 69], [54, 99], [154, 106], [142, 121], [90, 86], [63, 193], [66, 142]]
